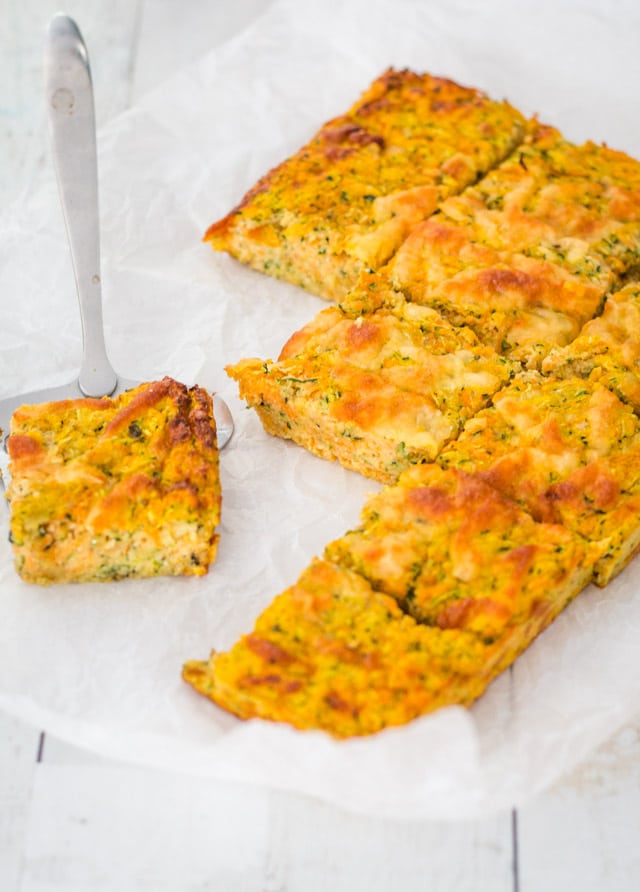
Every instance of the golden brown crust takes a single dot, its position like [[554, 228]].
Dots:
[[456, 553], [349, 197], [104, 489], [527, 255], [522, 305], [376, 392], [336, 652], [607, 349], [458, 565], [331, 653], [568, 451]]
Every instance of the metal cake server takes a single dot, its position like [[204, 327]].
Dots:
[[69, 97]]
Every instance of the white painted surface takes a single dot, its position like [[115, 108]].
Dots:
[[73, 821]]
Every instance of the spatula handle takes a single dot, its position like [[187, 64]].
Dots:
[[69, 98]]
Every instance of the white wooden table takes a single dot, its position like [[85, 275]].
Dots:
[[70, 820]]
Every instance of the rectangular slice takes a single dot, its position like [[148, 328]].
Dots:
[[334, 653], [555, 198], [568, 451], [527, 255], [607, 349], [347, 199], [376, 391], [520, 305], [457, 554], [103, 489]]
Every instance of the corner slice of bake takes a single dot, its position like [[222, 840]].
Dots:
[[607, 350], [103, 489], [376, 391], [557, 198], [329, 653], [568, 451], [347, 199], [520, 305], [334, 653]]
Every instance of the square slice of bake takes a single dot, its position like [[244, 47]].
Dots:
[[347, 199], [457, 554], [103, 489], [376, 391], [607, 349], [334, 653], [527, 255], [579, 204], [330, 653], [520, 305], [568, 451]]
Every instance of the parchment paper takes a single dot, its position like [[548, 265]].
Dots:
[[100, 664]]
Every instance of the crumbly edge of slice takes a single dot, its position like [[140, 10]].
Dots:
[[366, 453], [378, 391], [108, 489], [293, 240]]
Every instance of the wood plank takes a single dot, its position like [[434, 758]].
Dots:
[[18, 752], [585, 832], [314, 847], [55, 751], [117, 829]]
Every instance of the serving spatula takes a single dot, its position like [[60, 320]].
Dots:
[[70, 106]]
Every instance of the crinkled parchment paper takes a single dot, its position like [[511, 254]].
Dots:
[[100, 664]]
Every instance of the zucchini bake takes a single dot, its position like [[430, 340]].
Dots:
[[103, 489], [345, 201], [438, 591], [481, 360]]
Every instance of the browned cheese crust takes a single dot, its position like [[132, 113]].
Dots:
[[568, 451], [483, 360], [102, 489], [527, 255], [377, 391], [341, 650], [349, 197], [607, 349]]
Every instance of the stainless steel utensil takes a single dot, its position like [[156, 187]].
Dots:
[[69, 97]]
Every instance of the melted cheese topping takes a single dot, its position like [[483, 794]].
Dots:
[[607, 349], [548, 230], [568, 451], [455, 553], [377, 392], [349, 197], [446, 270], [109, 488], [334, 652]]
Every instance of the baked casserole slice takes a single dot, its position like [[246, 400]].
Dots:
[[607, 349], [336, 652], [347, 199], [519, 304], [555, 198], [527, 255], [568, 451], [103, 489], [376, 391]]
